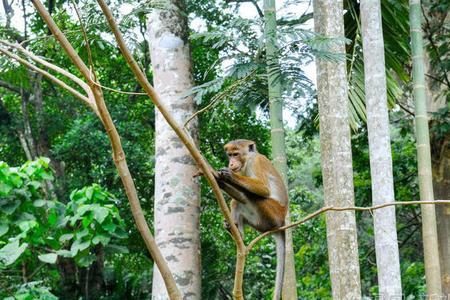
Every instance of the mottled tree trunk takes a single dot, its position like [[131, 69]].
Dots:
[[429, 230], [177, 195], [386, 244], [277, 136], [336, 156]]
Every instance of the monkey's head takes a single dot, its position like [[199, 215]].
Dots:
[[238, 152]]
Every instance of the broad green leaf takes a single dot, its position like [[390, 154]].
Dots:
[[64, 253], [39, 203], [86, 261], [10, 206], [3, 228], [83, 209], [100, 213], [111, 227], [5, 188], [11, 252], [116, 248], [101, 239], [82, 233], [89, 192], [16, 180], [65, 237], [27, 225], [35, 184], [48, 258], [52, 218], [78, 246]]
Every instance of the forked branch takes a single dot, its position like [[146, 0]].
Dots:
[[186, 140], [118, 153]]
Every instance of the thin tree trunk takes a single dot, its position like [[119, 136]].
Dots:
[[386, 244], [27, 132], [440, 158], [43, 142], [277, 136], [337, 156], [429, 231], [177, 195]]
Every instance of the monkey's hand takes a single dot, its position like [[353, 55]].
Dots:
[[225, 174]]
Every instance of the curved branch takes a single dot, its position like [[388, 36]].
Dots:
[[345, 208]]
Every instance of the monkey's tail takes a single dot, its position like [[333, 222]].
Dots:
[[280, 239]]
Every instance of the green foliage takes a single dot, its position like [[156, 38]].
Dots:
[[22, 208], [36, 230], [92, 219], [32, 291]]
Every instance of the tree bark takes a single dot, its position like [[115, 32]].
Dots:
[[177, 195], [336, 155], [277, 136], [440, 147], [43, 142], [386, 243], [27, 132], [429, 230]]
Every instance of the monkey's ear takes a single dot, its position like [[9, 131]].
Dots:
[[252, 148]]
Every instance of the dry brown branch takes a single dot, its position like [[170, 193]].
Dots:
[[118, 153], [49, 76], [331, 208], [187, 141], [51, 66]]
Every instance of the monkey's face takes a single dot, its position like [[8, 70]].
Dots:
[[236, 160], [237, 152]]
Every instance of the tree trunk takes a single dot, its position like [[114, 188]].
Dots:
[[177, 195], [336, 155], [68, 272], [27, 132], [277, 136], [429, 230], [92, 283], [386, 244], [42, 141], [440, 158]]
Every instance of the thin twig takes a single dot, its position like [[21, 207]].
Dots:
[[51, 77], [345, 208]]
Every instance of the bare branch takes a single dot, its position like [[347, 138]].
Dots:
[[49, 76], [9, 86], [184, 137], [346, 208], [118, 154]]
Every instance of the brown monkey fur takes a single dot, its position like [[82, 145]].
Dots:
[[259, 195]]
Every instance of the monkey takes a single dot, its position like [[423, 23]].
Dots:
[[259, 196]]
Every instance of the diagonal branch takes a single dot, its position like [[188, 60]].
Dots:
[[118, 154], [9, 86], [88, 101], [187, 141]]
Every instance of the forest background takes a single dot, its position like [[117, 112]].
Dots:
[[40, 120]]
